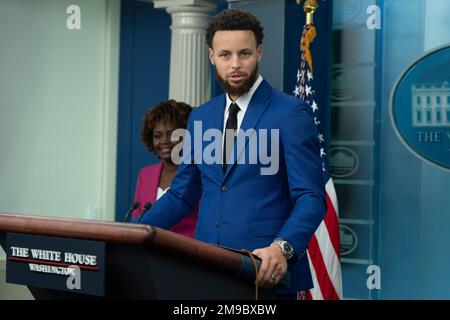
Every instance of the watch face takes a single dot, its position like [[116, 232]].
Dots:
[[287, 249]]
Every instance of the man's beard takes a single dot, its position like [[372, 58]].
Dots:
[[241, 89]]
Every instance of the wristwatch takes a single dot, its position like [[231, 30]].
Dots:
[[286, 248]]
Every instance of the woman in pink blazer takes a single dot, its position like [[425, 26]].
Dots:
[[157, 127]]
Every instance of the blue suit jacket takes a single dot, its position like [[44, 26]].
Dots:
[[242, 208]]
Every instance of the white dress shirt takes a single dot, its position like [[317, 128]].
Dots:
[[243, 103]]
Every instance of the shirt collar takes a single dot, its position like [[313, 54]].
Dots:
[[244, 101]]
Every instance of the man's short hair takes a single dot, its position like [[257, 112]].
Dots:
[[234, 19]]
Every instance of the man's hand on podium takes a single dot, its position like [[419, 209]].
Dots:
[[273, 266]]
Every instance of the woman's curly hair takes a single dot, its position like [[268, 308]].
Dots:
[[168, 112]]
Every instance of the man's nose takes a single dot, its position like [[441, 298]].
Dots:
[[236, 62]]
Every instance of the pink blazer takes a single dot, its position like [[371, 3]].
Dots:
[[147, 190]]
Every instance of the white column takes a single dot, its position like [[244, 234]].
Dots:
[[189, 64]]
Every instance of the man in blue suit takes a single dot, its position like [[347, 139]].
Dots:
[[273, 212]]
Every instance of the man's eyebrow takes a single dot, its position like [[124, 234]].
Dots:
[[240, 51]]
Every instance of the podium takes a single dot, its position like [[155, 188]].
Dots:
[[129, 261]]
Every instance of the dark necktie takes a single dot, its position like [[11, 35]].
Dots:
[[230, 125]]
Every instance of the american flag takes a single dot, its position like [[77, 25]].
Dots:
[[324, 247]]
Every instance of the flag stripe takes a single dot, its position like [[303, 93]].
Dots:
[[331, 191], [314, 293], [326, 285], [331, 221], [331, 262]]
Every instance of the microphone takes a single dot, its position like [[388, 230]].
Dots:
[[132, 208], [147, 206]]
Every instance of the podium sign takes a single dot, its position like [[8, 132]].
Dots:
[[57, 263]]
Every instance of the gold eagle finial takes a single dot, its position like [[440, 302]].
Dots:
[[309, 7]]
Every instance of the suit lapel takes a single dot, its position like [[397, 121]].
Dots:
[[257, 106], [218, 111]]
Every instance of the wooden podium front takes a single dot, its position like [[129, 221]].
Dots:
[[133, 261]]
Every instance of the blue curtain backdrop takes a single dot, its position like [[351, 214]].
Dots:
[[143, 82]]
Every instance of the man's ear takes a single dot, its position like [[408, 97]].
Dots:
[[259, 52], [211, 55]]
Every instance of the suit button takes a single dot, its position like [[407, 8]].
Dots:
[[217, 225], [224, 189]]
